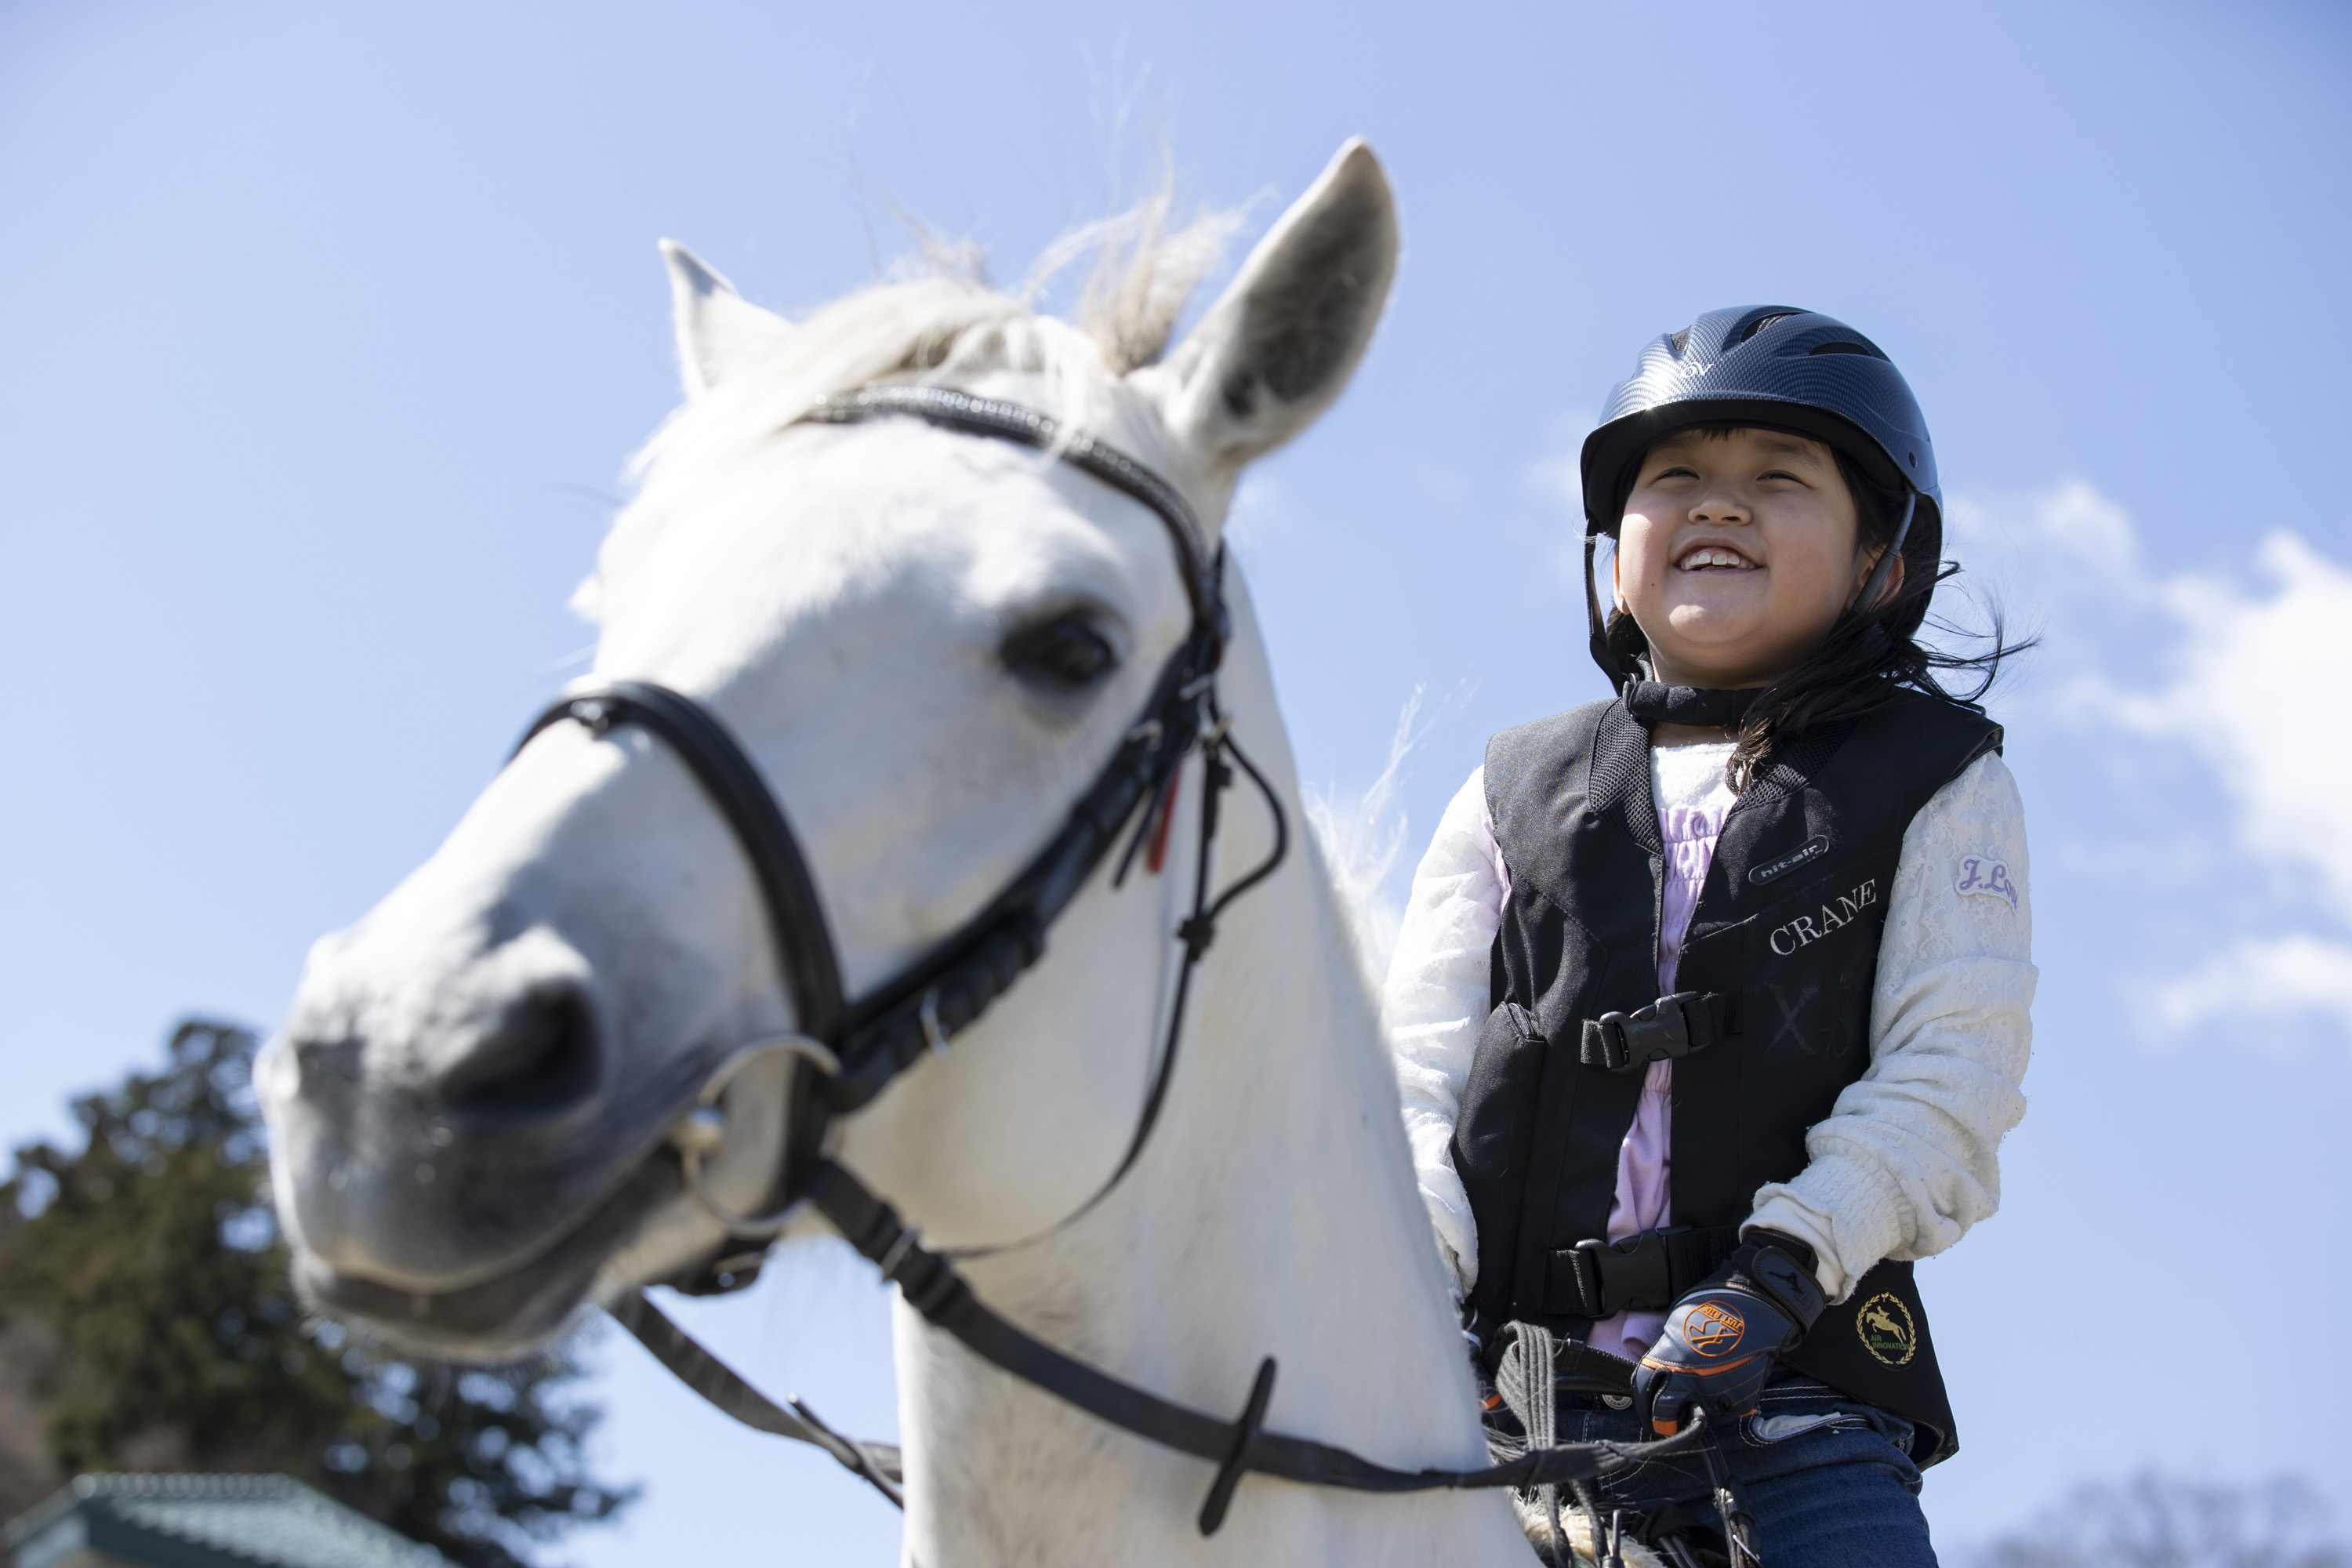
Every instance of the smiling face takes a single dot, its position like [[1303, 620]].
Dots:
[[1736, 553]]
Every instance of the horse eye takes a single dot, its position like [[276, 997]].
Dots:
[[1066, 654]]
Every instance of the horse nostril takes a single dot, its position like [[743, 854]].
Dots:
[[540, 1062]]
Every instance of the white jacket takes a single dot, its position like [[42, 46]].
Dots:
[[1907, 1159]]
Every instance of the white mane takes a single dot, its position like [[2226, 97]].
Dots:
[[939, 320]]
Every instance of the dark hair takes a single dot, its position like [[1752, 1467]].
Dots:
[[1871, 655]]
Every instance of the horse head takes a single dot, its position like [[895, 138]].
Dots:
[[929, 645]]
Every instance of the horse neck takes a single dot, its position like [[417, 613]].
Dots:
[[1274, 1212]]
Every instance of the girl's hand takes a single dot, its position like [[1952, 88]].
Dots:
[[1721, 1340]]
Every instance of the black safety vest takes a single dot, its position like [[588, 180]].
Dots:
[[1783, 950]]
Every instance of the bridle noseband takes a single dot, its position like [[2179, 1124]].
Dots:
[[844, 1052]]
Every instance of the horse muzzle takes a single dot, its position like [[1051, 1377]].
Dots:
[[468, 1200]]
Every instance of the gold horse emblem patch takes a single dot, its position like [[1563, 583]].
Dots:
[[1887, 1330]]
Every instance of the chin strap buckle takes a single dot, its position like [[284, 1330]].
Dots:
[[1669, 1027]]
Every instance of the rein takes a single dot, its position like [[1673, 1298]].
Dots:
[[844, 1052]]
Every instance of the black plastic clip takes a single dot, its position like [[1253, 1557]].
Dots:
[[1669, 1027], [1633, 1274], [1236, 1465]]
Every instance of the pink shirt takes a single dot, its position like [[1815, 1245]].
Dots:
[[1692, 800]]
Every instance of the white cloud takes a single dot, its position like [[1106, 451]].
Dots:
[[2252, 692], [2234, 670], [2238, 673], [2070, 524], [2259, 979]]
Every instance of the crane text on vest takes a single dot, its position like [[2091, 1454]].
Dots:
[[1806, 930]]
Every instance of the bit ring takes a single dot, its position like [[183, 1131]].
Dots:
[[700, 1134]]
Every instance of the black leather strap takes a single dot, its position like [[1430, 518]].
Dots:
[[803, 938], [931, 1286], [876, 1463], [959, 979], [953, 410], [1578, 1368]]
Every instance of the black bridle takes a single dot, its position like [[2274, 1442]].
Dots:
[[844, 1052]]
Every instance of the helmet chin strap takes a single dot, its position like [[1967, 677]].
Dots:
[[1611, 665], [1867, 600]]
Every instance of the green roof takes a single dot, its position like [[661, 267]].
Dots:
[[205, 1522]]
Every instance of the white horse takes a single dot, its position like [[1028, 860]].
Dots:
[[929, 643]]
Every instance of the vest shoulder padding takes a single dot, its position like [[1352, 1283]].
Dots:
[[1533, 757], [1544, 780], [1537, 771]]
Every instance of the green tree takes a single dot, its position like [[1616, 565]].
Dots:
[[147, 1318]]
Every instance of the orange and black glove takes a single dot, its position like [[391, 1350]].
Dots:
[[1722, 1338]]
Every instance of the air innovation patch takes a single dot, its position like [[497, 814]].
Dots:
[[1712, 1329], [1886, 1330]]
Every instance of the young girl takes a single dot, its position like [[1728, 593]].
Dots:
[[1710, 1005]]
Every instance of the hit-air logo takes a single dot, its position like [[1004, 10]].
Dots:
[[1807, 929], [1887, 1330], [1712, 1329], [1804, 854]]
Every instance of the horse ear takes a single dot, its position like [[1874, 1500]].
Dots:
[[720, 334], [1273, 352]]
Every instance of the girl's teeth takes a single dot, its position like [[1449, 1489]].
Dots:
[[1700, 558]]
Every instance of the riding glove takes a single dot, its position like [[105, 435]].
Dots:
[[1721, 1339]]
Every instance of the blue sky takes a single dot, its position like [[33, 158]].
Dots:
[[325, 332]]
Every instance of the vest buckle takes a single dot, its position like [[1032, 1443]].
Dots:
[[1617, 1276], [1669, 1027], [1645, 1272]]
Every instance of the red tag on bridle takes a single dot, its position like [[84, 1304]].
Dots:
[[1158, 856]]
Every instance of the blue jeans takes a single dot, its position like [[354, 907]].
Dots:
[[1829, 1480]]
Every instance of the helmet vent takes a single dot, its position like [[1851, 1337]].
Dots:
[[1679, 341], [1873, 349], [1760, 322]]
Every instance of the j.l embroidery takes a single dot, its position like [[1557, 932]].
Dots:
[[1987, 875]]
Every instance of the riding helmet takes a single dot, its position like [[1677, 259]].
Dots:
[[1767, 365]]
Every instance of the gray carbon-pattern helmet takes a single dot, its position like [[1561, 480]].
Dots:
[[1765, 365]]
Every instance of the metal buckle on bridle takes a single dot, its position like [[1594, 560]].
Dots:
[[929, 1016], [700, 1134]]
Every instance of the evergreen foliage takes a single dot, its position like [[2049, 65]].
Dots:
[[146, 1306]]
